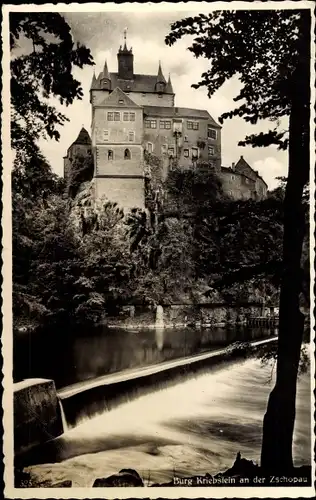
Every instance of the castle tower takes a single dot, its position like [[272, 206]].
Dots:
[[125, 61], [80, 147], [117, 129]]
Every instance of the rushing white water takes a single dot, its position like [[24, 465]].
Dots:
[[195, 427], [63, 417]]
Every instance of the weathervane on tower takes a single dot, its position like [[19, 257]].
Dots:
[[125, 35]]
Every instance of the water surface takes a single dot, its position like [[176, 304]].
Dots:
[[195, 427], [72, 357]]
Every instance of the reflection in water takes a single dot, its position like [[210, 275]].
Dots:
[[68, 358], [197, 426], [159, 338], [159, 317]]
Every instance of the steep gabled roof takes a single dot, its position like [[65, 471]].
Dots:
[[105, 73], [83, 137], [160, 77], [140, 83], [118, 99], [169, 88], [175, 112], [243, 166], [94, 83]]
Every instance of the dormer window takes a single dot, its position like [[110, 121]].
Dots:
[[105, 84], [160, 87]]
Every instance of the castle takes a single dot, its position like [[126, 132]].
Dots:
[[133, 113]]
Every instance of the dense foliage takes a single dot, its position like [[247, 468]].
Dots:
[[44, 70]]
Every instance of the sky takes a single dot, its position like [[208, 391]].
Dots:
[[102, 32]]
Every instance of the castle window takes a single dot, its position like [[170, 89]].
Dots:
[[185, 138], [110, 155], [132, 117], [186, 153], [131, 136], [149, 147], [117, 116], [195, 153], [211, 132], [151, 123], [171, 151], [164, 148], [127, 154], [105, 135], [166, 124], [110, 117], [210, 151], [125, 117], [233, 177], [192, 125]]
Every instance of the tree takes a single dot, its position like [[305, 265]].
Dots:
[[269, 51], [42, 72], [193, 191], [45, 255]]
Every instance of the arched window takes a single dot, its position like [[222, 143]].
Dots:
[[127, 154], [110, 155]]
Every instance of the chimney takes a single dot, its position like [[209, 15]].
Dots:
[[233, 166], [241, 157]]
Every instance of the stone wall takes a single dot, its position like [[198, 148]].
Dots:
[[237, 186], [126, 192], [186, 315], [37, 416]]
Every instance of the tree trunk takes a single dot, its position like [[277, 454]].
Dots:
[[278, 424]]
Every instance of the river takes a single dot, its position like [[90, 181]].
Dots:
[[72, 357], [194, 427]]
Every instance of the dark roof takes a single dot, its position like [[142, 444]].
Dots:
[[83, 137], [229, 170], [175, 112], [169, 88], [243, 163], [140, 83]]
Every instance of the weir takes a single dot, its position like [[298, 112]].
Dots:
[[87, 399]]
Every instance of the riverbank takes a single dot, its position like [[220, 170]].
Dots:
[[243, 472]]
